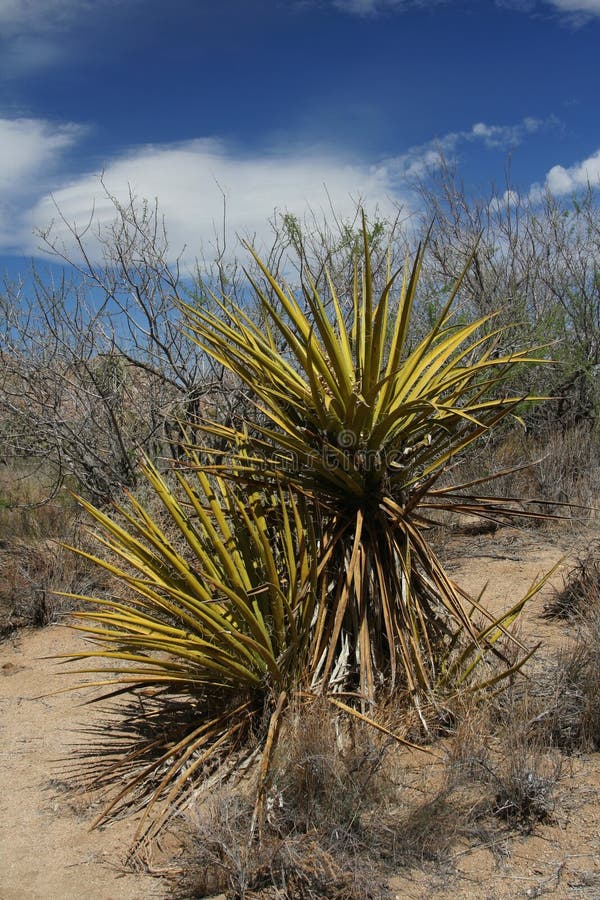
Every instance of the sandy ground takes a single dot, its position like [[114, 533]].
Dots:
[[562, 858], [47, 850]]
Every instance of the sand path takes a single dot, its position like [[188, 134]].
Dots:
[[46, 848]]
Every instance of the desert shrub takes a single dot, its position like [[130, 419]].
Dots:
[[344, 812], [569, 469], [523, 782], [580, 594], [583, 677], [30, 509], [501, 764], [574, 723], [568, 702], [323, 835], [570, 716], [294, 564], [33, 564], [324, 774], [554, 473], [286, 867], [31, 574]]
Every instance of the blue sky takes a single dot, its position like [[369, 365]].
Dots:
[[282, 104]]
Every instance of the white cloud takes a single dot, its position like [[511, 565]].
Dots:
[[358, 7], [505, 136], [372, 7], [190, 181], [28, 146], [590, 7], [30, 152], [577, 10], [560, 180], [418, 161], [16, 15], [35, 34], [508, 200], [25, 53], [25, 16]]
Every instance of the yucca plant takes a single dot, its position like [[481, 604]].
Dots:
[[364, 424], [217, 600], [216, 606], [296, 563]]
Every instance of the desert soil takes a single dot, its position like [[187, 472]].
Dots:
[[47, 850], [561, 858]]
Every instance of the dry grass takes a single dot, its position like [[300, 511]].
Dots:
[[323, 834], [30, 573], [33, 564], [560, 469], [568, 686], [496, 748], [569, 700], [343, 813], [29, 507], [579, 598]]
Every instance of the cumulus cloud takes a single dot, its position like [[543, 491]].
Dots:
[[192, 179], [505, 136], [560, 180]]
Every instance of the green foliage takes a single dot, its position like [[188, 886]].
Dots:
[[231, 601]]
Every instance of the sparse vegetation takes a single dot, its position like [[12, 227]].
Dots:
[[579, 598], [266, 589], [320, 836], [33, 564], [569, 714]]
